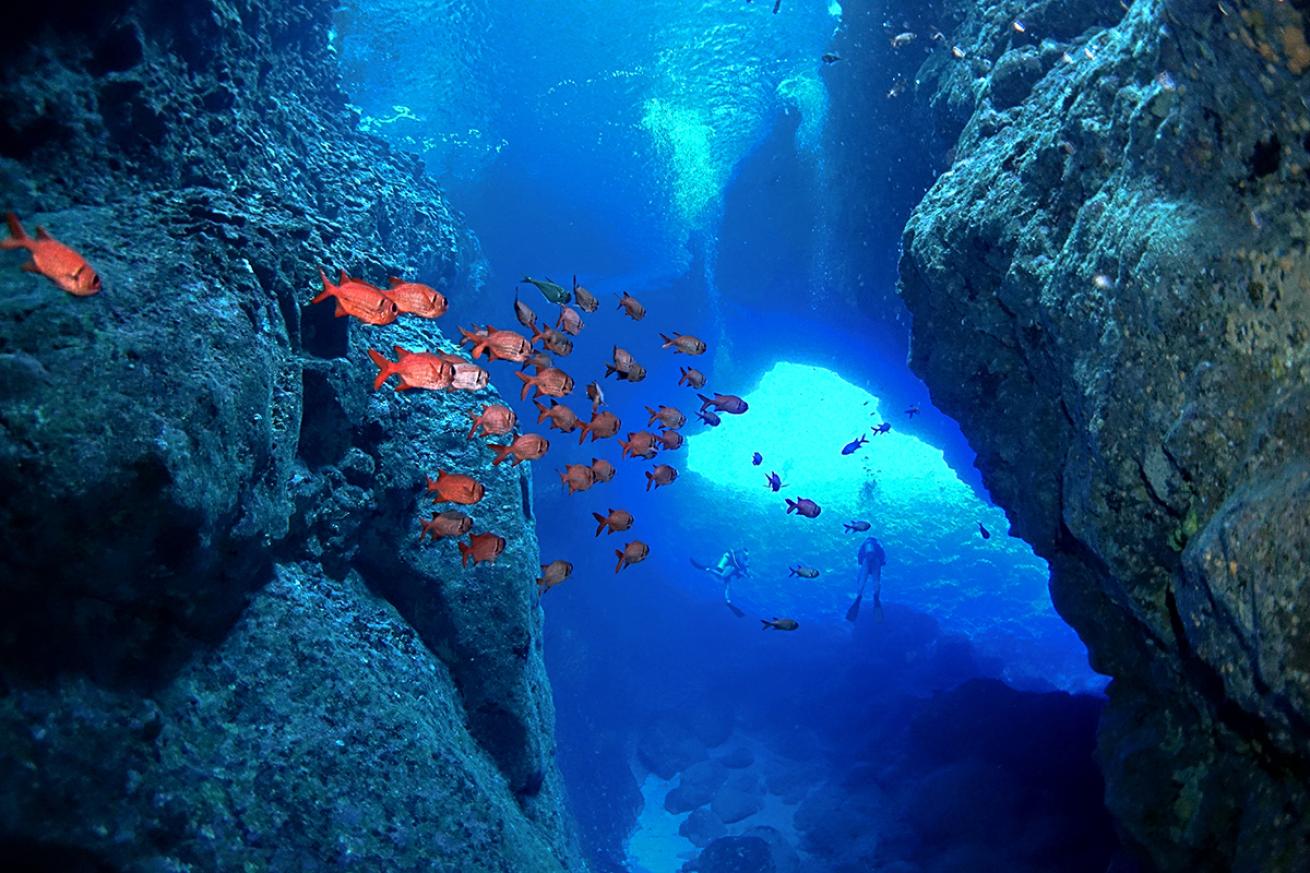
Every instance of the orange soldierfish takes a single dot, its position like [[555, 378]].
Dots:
[[52, 259], [603, 469], [663, 474], [524, 314], [602, 425], [500, 345], [633, 553], [639, 445], [455, 488], [632, 307], [693, 377], [617, 520], [445, 524], [550, 382], [552, 340], [538, 361], [416, 298], [468, 375], [596, 395], [562, 418], [494, 419], [569, 321], [683, 344], [524, 447], [482, 548], [553, 574], [586, 301], [577, 477], [359, 299], [671, 439], [669, 416], [415, 369]]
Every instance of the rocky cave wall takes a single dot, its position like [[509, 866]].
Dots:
[[221, 646], [1111, 294]]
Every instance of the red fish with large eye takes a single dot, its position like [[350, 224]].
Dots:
[[639, 445], [552, 340], [669, 416], [494, 419], [562, 418], [450, 523], [633, 553], [577, 477], [468, 375], [525, 315], [483, 548], [358, 299], [569, 321], [525, 447], [553, 574], [683, 344], [692, 377], [602, 425], [455, 488], [500, 345], [729, 403], [617, 520], [671, 439], [663, 474], [803, 506], [626, 366], [586, 301], [549, 382], [52, 259], [632, 307], [416, 298], [415, 369], [603, 469]]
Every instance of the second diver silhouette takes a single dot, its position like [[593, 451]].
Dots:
[[871, 558], [734, 564]]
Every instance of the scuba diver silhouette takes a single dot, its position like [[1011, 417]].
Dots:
[[734, 564], [871, 558]]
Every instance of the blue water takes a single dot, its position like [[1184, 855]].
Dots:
[[688, 153]]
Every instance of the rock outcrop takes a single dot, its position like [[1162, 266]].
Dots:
[[221, 644], [1111, 294]]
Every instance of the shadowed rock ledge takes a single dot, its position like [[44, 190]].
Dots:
[[1111, 293], [221, 646]]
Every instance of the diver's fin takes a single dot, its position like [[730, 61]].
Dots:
[[854, 612], [737, 612], [698, 565]]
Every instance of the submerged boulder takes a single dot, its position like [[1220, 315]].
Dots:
[[701, 827], [736, 855], [667, 746]]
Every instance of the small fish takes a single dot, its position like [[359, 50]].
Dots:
[[468, 375], [710, 418], [670, 440], [901, 40], [669, 416], [602, 425], [783, 624], [482, 548], [553, 340], [775, 482], [358, 299], [626, 366], [569, 321], [550, 382], [852, 526], [455, 488], [450, 523], [553, 574], [577, 477], [416, 298], [662, 475], [912, 410], [777, 4], [549, 290], [957, 52], [500, 345], [617, 520], [586, 301], [881, 429], [803, 506], [57, 262], [415, 369], [562, 418], [684, 344], [603, 469], [757, 459], [640, 444], [632, 307], [729, 403], [692, 378], [633, 553], [898, 87], [986, 534], [596, 395], [1018, 26], [830, 57], [494, 419], [803, 571], [524, 314], [524, 447], [854, 445]]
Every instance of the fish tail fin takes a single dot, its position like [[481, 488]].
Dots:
[[582, 432], [18, 238], [682, 380], [385, 368], [618, 553], [650, 479], [766, 624], [667, 342], [327, 286], [705, 401], [502, 452], [653, 416], [791, 505], [465, 549], [625, 446], [541, 410], [394, 282], [610, 370], [600, 522], [791, 571], [527, 384], [474, 429], [848, 528]]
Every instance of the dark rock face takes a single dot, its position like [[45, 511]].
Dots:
[[736, 855], [1109, 292], [218, 633]]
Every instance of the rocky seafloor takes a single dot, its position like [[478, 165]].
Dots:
[[1111, 294], [221, 645]]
